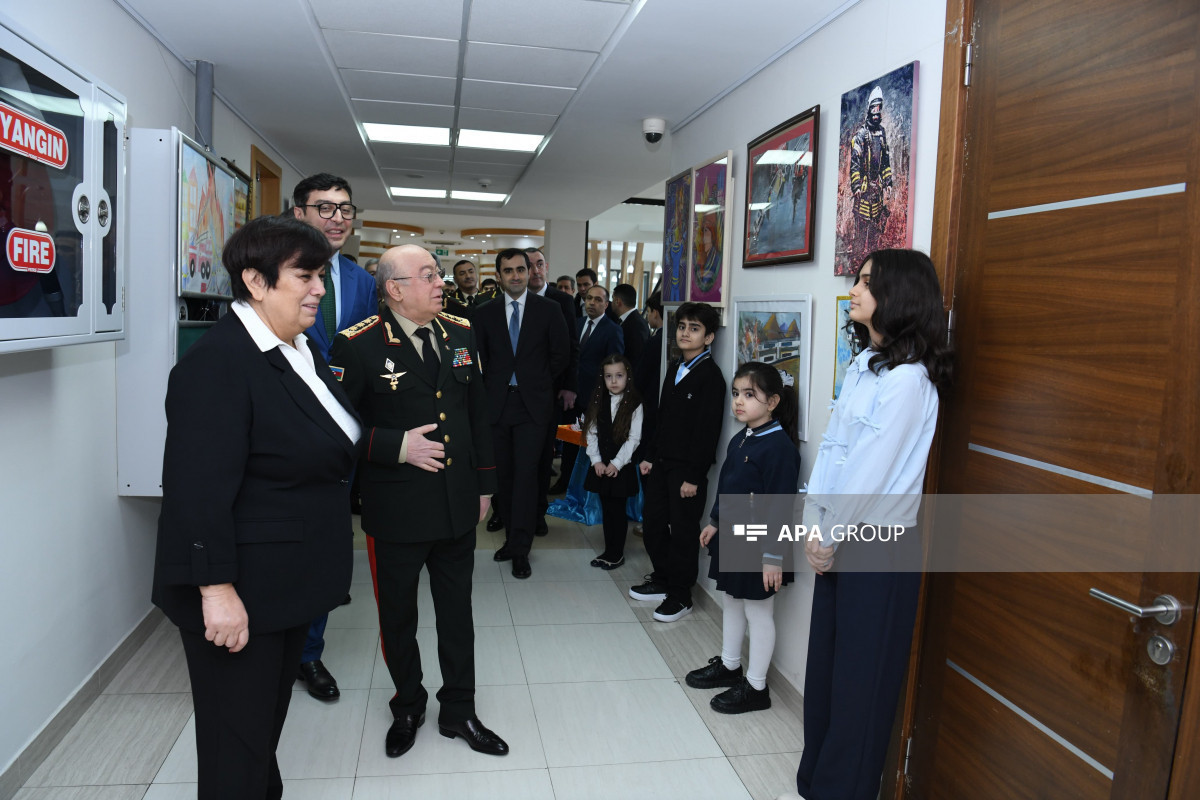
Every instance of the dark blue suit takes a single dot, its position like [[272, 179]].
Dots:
[[605, 340], [356, 288]]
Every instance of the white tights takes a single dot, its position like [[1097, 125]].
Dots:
[[761, 616]]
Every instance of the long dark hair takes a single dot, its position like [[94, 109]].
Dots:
[[631, 398], [767, 381], [908, 317]]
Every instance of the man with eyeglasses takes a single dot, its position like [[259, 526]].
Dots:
[[427, 479], [323, 201]]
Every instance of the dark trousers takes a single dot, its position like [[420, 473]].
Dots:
[[395, 571], [241, 700], [616, 525], [858, 647], [671, 530], [314, 642], [519, 442]]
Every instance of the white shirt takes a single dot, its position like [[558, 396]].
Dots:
[[595, 323], [301, 360], [625, 316], [635, 436], [508, 309], [870, 466]]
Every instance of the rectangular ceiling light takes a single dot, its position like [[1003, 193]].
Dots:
[[486, 197], [406, 134], [402, 191], [494, 140]]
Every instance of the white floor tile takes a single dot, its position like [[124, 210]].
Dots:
[[180, 764], [132, 792], [767, 776], [696, 779], [486, 570], [531, 784], [362, 569], [315, 789], [619, 722], [321, 740], [349, 656], [608, 651], [361, 613], [507, 710], [566, 603]]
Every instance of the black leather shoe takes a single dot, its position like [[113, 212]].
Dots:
[[521, 568], [320, 683], [479, 738], [503, 554], [714, 675], [559, 487], [346, 601], [741, 698], [402, 734], [495, 523], [541, 529]]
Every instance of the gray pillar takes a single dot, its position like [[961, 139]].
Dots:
[[566, 247], [204, 103]]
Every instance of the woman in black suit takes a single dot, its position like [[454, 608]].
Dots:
[[254, 540]]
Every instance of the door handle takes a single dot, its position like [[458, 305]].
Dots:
[[1166, 609]]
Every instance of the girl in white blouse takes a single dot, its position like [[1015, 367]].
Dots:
[[613, 427], [869, 473]]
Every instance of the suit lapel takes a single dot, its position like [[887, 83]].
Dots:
[[303, 396]]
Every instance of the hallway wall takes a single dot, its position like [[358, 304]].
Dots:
[[867, 41], [77, 559]]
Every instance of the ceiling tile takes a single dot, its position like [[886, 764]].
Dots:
[[568, 24], [470, 183], [391, 53], [491, 169], [435, 178], [515, 97], [404, 113], [486, 119], [407, 164], [388, 153], [411, 17], [392, 86], [521, 64], [475, 155]]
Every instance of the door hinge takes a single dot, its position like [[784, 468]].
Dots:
[[950, 327], [968, 62], [907, 751]]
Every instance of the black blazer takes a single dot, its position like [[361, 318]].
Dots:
[[401, 502], [636, 333], [567, 380], [256, 486], [606, 339], [543, 353], [688, 424]]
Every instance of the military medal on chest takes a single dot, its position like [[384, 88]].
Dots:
[[462, 357], [391, 375]]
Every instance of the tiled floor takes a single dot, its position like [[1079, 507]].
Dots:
[[581, 682]]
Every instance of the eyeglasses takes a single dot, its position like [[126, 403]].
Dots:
[[325, 210], [428, 277]]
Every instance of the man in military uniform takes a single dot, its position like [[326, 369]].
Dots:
[[413, 374]]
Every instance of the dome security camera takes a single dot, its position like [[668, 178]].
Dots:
[[653, 129]]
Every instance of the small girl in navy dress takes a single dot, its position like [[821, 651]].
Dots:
[[613, 428], [761, 459]]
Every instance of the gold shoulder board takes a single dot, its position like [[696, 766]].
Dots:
[[462, 322], [355, 330]]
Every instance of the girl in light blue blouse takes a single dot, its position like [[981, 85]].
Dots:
[[869, 472]]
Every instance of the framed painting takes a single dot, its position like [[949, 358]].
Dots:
[[677, 237], [843, 353], [712, 190], [875, 168], [781, 192], [778, 331]]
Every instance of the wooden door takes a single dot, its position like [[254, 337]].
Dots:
[[1068, 216], [268, 177]]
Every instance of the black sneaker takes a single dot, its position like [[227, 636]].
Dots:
[[650, 590], [714, 675], [741, 698], [671, 610]]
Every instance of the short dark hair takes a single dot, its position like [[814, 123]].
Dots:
[[319, 183], [535, 250], [626, 294], [266, 243], [464, 261], [566, 278], [703, 313], [591, 273], [483, 284], [654, 302], [512, 252], [602, 288]]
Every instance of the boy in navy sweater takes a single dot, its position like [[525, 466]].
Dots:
[[691, 408]]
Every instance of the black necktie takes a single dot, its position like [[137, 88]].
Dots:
[[587, 334], [429, 355]]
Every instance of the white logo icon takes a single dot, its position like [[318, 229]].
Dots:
[[752, 532]]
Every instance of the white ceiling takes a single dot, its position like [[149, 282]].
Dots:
[[307, 73]]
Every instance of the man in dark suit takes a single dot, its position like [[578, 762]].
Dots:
[[413, 374], [566, 390], [524, 349], [324, 202], [647, 371], [624, 305]]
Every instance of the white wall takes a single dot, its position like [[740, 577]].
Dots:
[[77, 561], [871, 39]]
